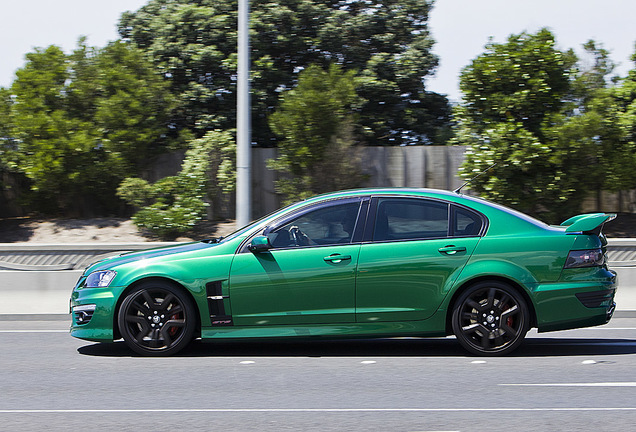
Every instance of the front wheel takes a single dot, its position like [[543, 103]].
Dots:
[[490, 318], [157, 318]]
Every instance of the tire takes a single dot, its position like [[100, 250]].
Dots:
[[490, 318], [157, 319]]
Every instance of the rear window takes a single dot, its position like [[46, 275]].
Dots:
[[466, 223], [405, 219]]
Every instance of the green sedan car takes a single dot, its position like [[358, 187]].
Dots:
[[360, 263]]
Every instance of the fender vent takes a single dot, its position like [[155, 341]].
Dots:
[[214, 292]]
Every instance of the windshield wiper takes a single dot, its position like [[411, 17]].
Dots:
[[213, 240]]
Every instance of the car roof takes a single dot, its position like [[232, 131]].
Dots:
[[387, 191], [490, 209]]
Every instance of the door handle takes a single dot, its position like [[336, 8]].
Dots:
[[336, 258], [451, 249]]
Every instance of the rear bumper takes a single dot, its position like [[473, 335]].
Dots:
[[594, 299], [610, 312], [575, 304]]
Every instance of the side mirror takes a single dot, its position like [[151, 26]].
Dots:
[[260, 244]]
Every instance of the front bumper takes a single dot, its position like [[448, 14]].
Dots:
[[93, 313]]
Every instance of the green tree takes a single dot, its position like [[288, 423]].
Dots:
[[8, 143], [193, 43], [592, 126], [389, 44], [53, 147], [315, 120], [591, 122], [174, 205], [10, 177], [132, 107], [524, 80], [623, 115], [528, 109], [82, 122]]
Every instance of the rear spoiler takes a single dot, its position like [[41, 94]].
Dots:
[[591, 223]]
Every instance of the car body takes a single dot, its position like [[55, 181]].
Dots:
[[359, 263]]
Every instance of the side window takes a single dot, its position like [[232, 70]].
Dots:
[[407, 218], [466, 223], [324, 226]]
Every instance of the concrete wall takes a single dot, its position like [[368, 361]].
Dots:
[[36, 292], [413, 166]]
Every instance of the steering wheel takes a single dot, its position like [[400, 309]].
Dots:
[[299, 237]]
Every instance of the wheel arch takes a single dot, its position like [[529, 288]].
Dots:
[[467, 284], [132, 286]]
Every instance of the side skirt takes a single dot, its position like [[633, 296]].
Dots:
[[434, 326]]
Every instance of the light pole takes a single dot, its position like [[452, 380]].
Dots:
[[243, 123]]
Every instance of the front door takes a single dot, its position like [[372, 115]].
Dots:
[[307, 277]]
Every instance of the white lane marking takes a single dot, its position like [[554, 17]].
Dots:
[[247, 362], [587, 362], [34, 331], [449, 337], [368, 362], [583, 342], [596, 384], [302, 410], [535, 333], [478, 362]]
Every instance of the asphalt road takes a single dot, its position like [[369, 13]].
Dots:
[[574, 380]]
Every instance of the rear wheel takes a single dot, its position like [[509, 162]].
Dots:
[[157, 318], [490, 318]]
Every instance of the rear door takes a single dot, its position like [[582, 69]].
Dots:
[[414, 249]]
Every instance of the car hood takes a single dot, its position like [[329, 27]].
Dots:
[[128, 257]]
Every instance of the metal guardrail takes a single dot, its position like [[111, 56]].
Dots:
[[47, 257], [621, 252], [52, 257]]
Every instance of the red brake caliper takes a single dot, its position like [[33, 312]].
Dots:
[[173, 330]]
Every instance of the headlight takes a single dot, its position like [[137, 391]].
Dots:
[[99, 279], [585, 258]]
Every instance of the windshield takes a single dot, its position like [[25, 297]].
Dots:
[[251, 225]]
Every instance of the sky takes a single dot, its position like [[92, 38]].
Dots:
[[461, 29]]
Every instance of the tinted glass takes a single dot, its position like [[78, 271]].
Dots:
[[404, 219], [327, 225], [467, 223]]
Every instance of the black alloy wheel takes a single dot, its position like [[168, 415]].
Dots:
[[490, 318], [157, 318]]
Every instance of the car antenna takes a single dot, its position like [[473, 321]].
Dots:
[[478, 175]]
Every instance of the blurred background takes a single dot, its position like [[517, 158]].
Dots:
[[124, 114]]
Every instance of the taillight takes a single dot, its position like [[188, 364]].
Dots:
[[585, 258]]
